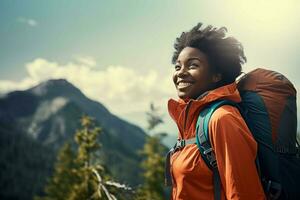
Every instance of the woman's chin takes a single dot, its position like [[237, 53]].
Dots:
[[183, 96]]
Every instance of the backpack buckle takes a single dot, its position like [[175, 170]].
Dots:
[[210, 155], [180, 143], [273, 189], [213, 163], [208, 151]]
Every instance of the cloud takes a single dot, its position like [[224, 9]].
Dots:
[[124, 91], [28, 21], [7, 85], [86, 60]]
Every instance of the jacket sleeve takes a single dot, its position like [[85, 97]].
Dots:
[[235, 150]]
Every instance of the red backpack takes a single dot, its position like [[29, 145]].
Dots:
[[269, 108]]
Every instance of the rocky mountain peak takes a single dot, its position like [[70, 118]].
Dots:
[[55, 87]]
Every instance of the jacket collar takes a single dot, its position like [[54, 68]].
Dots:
[[185, 112]]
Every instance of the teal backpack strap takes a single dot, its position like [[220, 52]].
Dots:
[[204, 145], [181, 143]]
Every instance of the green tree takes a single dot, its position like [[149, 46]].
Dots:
[[86, 139], [153, 163], [78, 177], [63, 177]]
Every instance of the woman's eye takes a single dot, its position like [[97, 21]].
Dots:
[[177, 67], [193, 65]]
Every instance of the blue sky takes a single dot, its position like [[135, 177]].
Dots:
[[118, 52]]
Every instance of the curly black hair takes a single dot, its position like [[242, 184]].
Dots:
[[225, 54]]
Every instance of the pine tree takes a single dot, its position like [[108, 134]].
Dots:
[[78, 177], [86, 139], [94, 181], [63, 177], [153, 163]]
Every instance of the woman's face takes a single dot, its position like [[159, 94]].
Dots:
[[193, 74]]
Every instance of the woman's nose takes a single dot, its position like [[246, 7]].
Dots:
[[183, 71]]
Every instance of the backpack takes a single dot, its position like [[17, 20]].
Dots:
[[268, 107]]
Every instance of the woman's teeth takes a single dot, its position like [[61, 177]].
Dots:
[[183, 84]]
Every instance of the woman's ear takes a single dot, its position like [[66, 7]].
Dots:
[[216, 77]]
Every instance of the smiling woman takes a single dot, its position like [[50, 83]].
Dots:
[[206, 66]]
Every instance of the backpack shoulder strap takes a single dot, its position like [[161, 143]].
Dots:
[[204, 145], [202, 133]]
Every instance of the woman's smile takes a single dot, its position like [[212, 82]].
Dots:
[[183, 85]]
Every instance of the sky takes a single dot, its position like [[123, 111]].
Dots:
[[119, 52]]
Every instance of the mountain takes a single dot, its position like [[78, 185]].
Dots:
[[24, 165], [38, 121]]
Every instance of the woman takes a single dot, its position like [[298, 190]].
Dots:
[[206, 66]]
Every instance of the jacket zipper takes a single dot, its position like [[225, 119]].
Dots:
[[186, 114], [184, 126]]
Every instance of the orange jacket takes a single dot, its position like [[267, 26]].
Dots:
[[235, 151]]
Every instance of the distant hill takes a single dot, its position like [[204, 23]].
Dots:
[[36, 122]]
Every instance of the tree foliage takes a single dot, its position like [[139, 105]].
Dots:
[[60, 184], [76, 175], [153, 162]]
